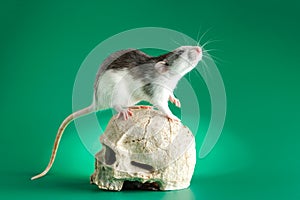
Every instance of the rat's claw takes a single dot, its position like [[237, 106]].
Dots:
[[175, 101], [125, 113], [130, 112]]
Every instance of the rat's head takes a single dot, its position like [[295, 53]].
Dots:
[[180, 61]]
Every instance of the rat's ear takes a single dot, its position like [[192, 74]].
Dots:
[[161, 67]]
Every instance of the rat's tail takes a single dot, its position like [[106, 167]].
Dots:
[[60, 131]]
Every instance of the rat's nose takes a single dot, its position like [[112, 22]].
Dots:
[[198, 49]]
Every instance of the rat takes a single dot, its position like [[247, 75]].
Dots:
[[129, 76]]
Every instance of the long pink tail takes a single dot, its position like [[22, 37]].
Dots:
[[60, 131]]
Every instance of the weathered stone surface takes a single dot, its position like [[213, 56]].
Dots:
[[147, 148]]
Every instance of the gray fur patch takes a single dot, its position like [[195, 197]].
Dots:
[[128, 58], [148, 89]]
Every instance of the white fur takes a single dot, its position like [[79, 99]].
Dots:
[[118, 89]]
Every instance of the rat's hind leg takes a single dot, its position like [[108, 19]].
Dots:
[[125, 112], [141, 107]]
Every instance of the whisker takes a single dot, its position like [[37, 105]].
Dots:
[[215, 59], [210, 57], [198, 34], [204, 34], [209, 42], [212, 50], [207, 57]]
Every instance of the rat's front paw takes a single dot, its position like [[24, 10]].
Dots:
[[175, 101]]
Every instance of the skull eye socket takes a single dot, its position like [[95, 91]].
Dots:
[[142, 166], [110, 156]]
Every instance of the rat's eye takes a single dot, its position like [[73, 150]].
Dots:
[[165, 62], [180, 52]]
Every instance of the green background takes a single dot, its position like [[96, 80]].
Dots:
[[43, 44]]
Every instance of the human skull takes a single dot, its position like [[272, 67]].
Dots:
[[147, 148]]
